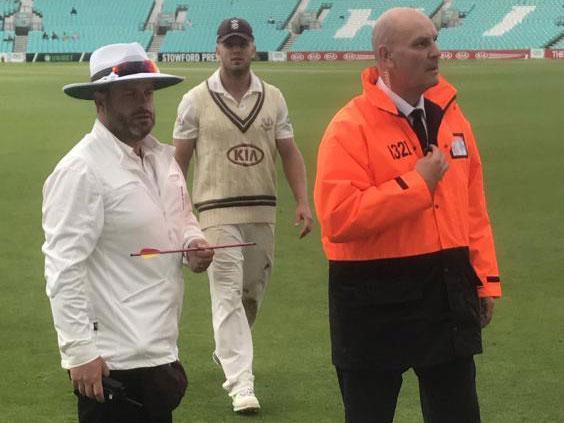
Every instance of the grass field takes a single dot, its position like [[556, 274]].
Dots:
[[517, 111]]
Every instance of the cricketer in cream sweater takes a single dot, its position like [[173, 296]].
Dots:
[[235, 124]]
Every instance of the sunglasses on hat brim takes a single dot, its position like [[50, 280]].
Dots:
[[127, 68]]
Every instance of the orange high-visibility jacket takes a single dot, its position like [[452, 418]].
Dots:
[[371, 202]]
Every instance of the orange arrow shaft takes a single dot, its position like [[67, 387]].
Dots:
[[188, 250]]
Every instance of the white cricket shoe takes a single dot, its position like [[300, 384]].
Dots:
[[245, 402]]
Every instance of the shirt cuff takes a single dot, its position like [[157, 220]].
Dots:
[[283, 135], [78, 355], [192, 238]]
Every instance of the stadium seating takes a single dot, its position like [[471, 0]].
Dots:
[[559, 44], [9, 7], [94, 24], [339, 25], [348, 23], [203, 18], [503, 24], [6, 46]]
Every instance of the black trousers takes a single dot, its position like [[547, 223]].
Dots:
[[447, 392], [158, 389]]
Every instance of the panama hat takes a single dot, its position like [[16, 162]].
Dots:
[[118, 63]]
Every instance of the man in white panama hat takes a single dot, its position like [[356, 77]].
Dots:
[[117, 191]]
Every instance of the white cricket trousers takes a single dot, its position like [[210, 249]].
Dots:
[[238, 279]]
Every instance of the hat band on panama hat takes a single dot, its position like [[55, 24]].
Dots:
[[127, 68]]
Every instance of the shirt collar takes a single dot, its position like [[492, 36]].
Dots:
[[150, 144], [402, 105], [214, 82]]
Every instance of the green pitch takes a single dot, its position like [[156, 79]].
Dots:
[[516, 109]]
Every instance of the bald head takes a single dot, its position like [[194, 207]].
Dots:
[[393, 24], [407, 56]]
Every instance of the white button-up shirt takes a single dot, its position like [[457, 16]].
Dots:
[[101, 203], [403, 106]]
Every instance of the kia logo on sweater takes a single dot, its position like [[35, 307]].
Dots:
[[245, 155]]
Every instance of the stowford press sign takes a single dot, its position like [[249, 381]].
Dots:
[[187, 57], [245, 155]]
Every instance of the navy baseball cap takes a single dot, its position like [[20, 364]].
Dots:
[[234, 27]]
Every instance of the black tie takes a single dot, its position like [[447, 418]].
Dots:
[[419, 128]]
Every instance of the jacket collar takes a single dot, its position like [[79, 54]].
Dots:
[[441, 94]]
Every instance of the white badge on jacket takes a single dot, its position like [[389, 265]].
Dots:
[[458, 147]]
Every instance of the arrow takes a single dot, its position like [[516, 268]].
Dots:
[[149, 252]]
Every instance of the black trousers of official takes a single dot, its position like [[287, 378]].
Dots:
[[447, 392], [159, 389]]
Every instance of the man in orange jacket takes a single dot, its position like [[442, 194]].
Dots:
[[412, 265]]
